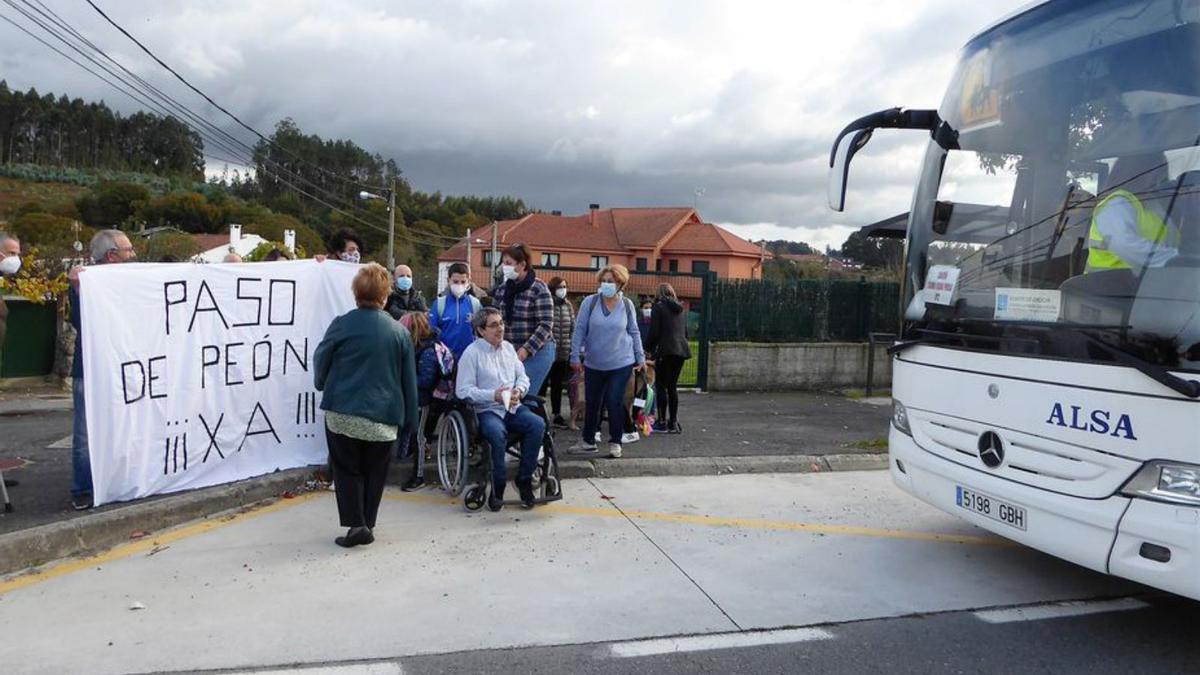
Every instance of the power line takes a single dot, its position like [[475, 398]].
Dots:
[[150, 97], [216, 105]]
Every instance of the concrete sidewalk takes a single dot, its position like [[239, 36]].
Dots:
[[616, 560], [723, 433]]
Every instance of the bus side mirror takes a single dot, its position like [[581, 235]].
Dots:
[[839, 166]]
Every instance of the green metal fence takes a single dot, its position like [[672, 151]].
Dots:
[[802, 311]]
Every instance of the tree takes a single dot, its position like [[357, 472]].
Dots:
[[111, 203], [873, 251]]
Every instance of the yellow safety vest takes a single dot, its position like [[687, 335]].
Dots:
[[1149, 227]]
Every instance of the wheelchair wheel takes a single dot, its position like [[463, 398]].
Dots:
[[453, 448], [550, 482], [475, 498]]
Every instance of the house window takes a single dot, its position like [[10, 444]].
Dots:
[[642, 264], [489, 260], [674, 267], [549, 260], [599, 261], [699, 267], [658, 264]]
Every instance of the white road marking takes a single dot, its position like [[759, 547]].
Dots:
[[1059, 610], [699, 643], [350, 669], [61, 444]]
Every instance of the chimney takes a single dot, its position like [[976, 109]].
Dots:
[[592, 209]]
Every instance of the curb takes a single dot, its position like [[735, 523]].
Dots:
[[33, 406], [102, 530], [634, 467]]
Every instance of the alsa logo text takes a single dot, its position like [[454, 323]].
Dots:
[[1095, 421]]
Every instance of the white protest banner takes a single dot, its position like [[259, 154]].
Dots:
[[196, 375]]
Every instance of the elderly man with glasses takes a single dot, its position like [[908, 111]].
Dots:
[[493, 379], [107, 247]]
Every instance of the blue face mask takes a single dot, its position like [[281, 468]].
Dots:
[[608, 289], [404, 283]]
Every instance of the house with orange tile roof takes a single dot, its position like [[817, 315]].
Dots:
[[642, 239]]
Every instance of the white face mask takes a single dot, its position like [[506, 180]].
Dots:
[[646, 312], [458, 290], [351, 257], [561, 293], [509, 272], [10, 265]]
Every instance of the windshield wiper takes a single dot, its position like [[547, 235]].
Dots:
[[1189, 388]]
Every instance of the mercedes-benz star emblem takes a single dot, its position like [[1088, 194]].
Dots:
[[991, 449]]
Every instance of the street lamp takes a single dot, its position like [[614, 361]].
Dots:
[[391, 200]]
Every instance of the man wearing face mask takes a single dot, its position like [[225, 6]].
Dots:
[[10, 264], [404, 298], [346, 246], [108, 247], [452, 311]]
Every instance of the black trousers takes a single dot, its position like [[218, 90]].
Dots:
[[666, 387], [360, 471], [560, 375]]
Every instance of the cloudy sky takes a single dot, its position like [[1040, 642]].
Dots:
[[562, 103]]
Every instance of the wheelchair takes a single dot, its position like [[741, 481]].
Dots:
[[464, 456]]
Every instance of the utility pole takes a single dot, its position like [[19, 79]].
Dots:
[[392, 227], [468, 247], [492, 269]]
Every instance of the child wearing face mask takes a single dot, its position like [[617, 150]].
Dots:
[[563, 326]]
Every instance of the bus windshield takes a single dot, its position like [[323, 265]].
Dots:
[[1065, 221]]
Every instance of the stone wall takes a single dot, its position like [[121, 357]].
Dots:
[[745, 366]]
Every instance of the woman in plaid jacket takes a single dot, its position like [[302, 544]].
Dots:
[[528, 310]]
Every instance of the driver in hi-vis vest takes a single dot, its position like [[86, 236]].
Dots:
[[1129, 229]]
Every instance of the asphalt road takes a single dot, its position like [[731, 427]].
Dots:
[[1156, 638], [821, 573]]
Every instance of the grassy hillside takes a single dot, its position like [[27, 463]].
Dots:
[[56, 198]]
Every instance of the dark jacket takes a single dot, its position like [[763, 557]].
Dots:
[[3, 322], [77, 323], [427, 369], [365, 365], [400, 302], [564, 325], [668, 330]]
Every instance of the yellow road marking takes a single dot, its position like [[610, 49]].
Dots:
[[55, 570], [747, 523]]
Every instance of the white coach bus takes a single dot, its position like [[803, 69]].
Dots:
[[1047, 383]]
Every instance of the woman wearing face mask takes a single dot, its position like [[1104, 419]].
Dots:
[[668, 344], [564, 325], [644, 314], [346, 246], [528, 309], [607, 332]]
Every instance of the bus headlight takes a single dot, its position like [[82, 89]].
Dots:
[[900, 418], [1166, 481]]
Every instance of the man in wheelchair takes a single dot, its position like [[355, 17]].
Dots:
[[493, 379]]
